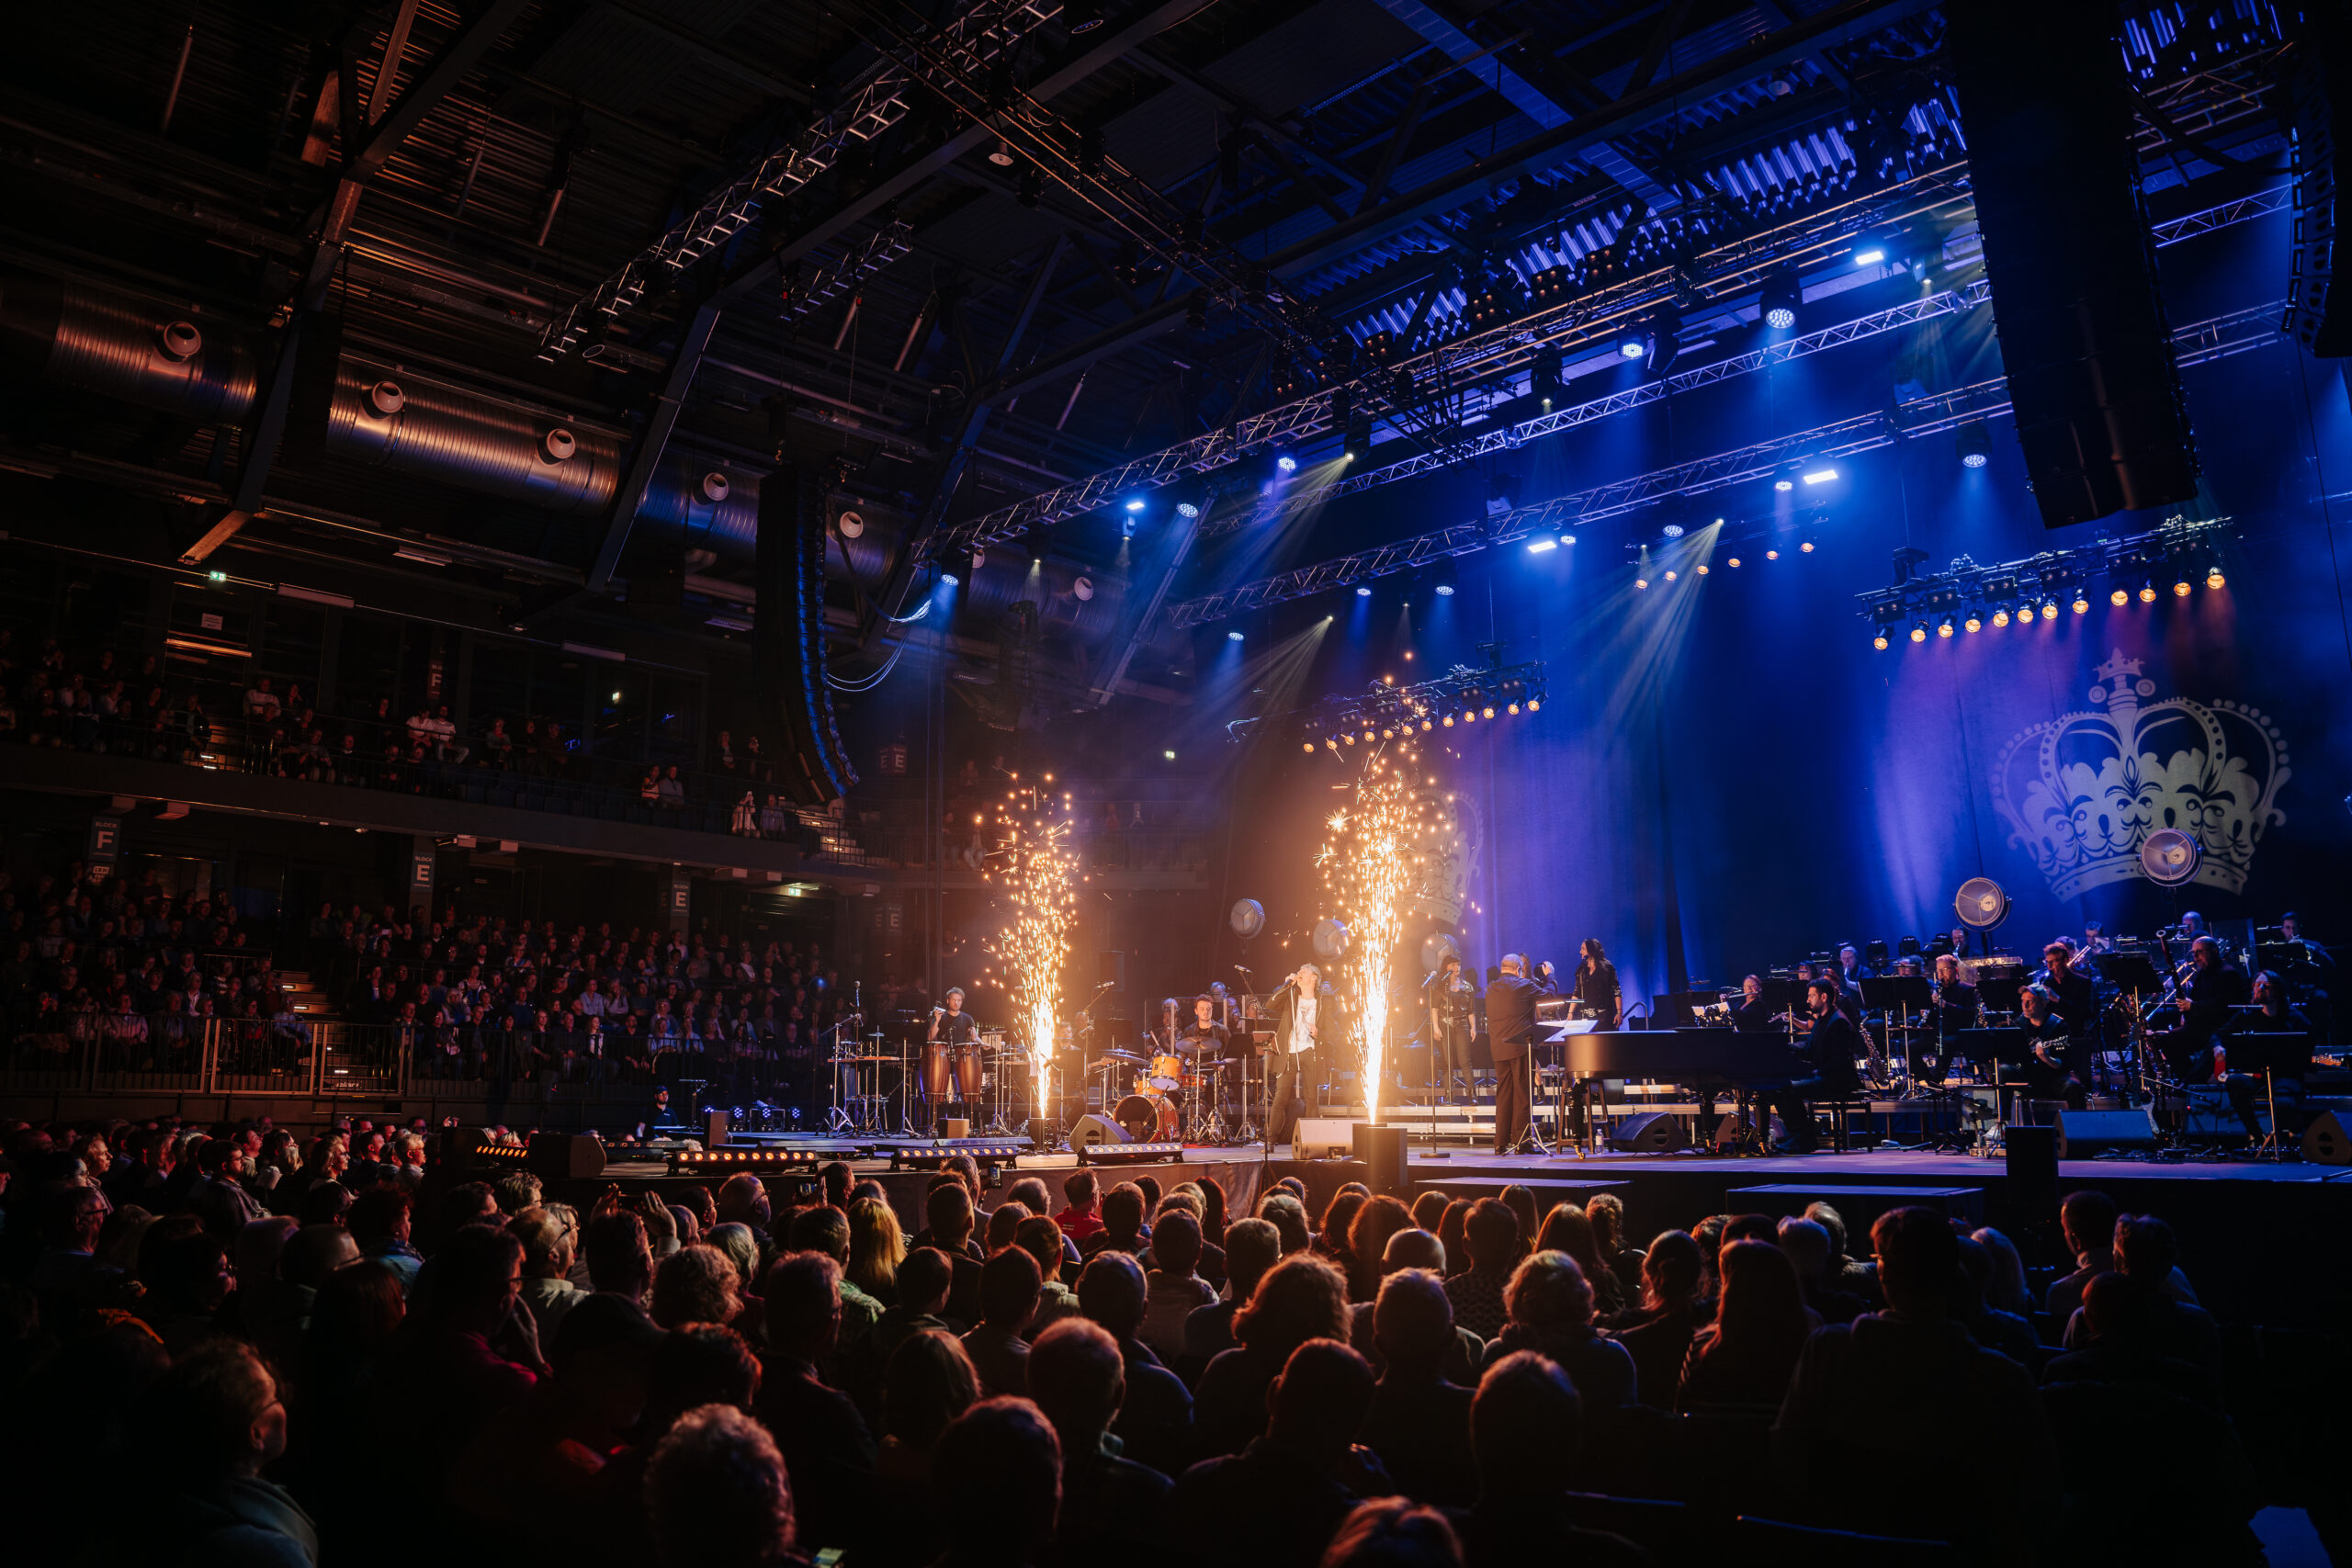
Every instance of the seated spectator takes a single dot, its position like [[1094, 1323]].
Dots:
[[1744, 1356], [1416, 1250], [1286, 1212], [2121, 1413], [928, 1383], [1078, 1380], [1156, 1418], [876, 1247], [548, 1290], [1995, 1330], [1658, 1333], [1251, 1247], [826, 1444], [188, 1280], [1123, 1227], [1043, 1240], [1279, 1501], [949, 1210], [998, 1478], [825, 1228], [1806, 1242], [1079, 1220], [1550, 1303], [2147, 1253], [1368, 1234], [1009, 1285], [1526, 1425], [1389, 1532], [2087, 1220], [1419, 1422], [1176, 1290], [453, 1378], [695, 1284], [1492, 1234], [227, 1424], [923, 1281], [1567, 1229], [716, 1495], [1909, 1391], [1606, 1211], [1301, 1298]]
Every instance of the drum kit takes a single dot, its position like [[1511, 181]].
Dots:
[[1165, 1097], [878, 1078]]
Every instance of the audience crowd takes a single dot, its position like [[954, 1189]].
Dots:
[[126, 965], [329, 1351], [96, 701]]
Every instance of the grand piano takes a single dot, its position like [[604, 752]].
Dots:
[[1696, 1057]]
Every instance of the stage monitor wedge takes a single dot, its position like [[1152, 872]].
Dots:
[[2093, 384]]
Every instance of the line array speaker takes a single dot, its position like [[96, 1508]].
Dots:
[[788, 638], [2092, 379], [2316, 313]]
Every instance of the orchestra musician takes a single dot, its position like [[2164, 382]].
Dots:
[[2211, 990], [2272, 1034], [2093, 942], [1297, 1011], [1751, 1012], [2047, 1076], [1596, 984], [1956, 1009], [2076, 993], [1510, 1027], [2192, 926], [1851, 970], [2309, 973], [1826, 1070], [1450, 999]]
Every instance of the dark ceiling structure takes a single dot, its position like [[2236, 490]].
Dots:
[[508, 308]]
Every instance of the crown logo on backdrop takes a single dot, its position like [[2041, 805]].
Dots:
[[2081, 792]]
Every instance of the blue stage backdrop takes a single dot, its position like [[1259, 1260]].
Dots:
[[1727, 776]]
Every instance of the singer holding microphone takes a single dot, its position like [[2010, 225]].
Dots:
[[1296, 1012]]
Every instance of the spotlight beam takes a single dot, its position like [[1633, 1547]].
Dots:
[[1938, 413]]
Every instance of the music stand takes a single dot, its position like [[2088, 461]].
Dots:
[[1898, 994]]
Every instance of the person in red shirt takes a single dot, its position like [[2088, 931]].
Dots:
[[1080, 1219]]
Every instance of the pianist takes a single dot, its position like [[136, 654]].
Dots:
[[1824, 1064]]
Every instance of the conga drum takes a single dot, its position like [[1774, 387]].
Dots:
[[935, 1070], [968, 1072]]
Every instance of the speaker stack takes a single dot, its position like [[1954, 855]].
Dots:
[[2093, 385]]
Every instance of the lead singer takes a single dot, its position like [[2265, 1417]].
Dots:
[[1511, 1026], [1293, 1083]]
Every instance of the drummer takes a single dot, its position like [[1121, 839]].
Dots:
[[951, 1023], [1203, 1039]]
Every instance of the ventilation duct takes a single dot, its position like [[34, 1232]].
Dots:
[[397, 421]]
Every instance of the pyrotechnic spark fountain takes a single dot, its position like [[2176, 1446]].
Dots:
[[1375, 862], [1035, 863]]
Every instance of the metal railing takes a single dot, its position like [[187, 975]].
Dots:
[[81, 1052]]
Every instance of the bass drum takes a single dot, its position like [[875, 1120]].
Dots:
[[1146, 1120]]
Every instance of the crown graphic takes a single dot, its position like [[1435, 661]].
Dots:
[[2081, 792]]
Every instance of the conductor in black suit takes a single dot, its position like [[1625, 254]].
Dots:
[[1826, 1070], [1510, 1025]]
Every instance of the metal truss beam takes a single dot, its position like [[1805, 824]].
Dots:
[[1730, 269], [2196, 343], [985, 31]]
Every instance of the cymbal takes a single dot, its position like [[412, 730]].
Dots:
[[1115, 1054], [865, 1058]]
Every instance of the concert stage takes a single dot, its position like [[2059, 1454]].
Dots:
[[2237, 1218]]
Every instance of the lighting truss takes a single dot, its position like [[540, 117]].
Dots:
[[1571, 326], [1382, 711], [823, 287], [1945, 302], [2196, 343], [2051, 574], [985, 31], [1059, 150]]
